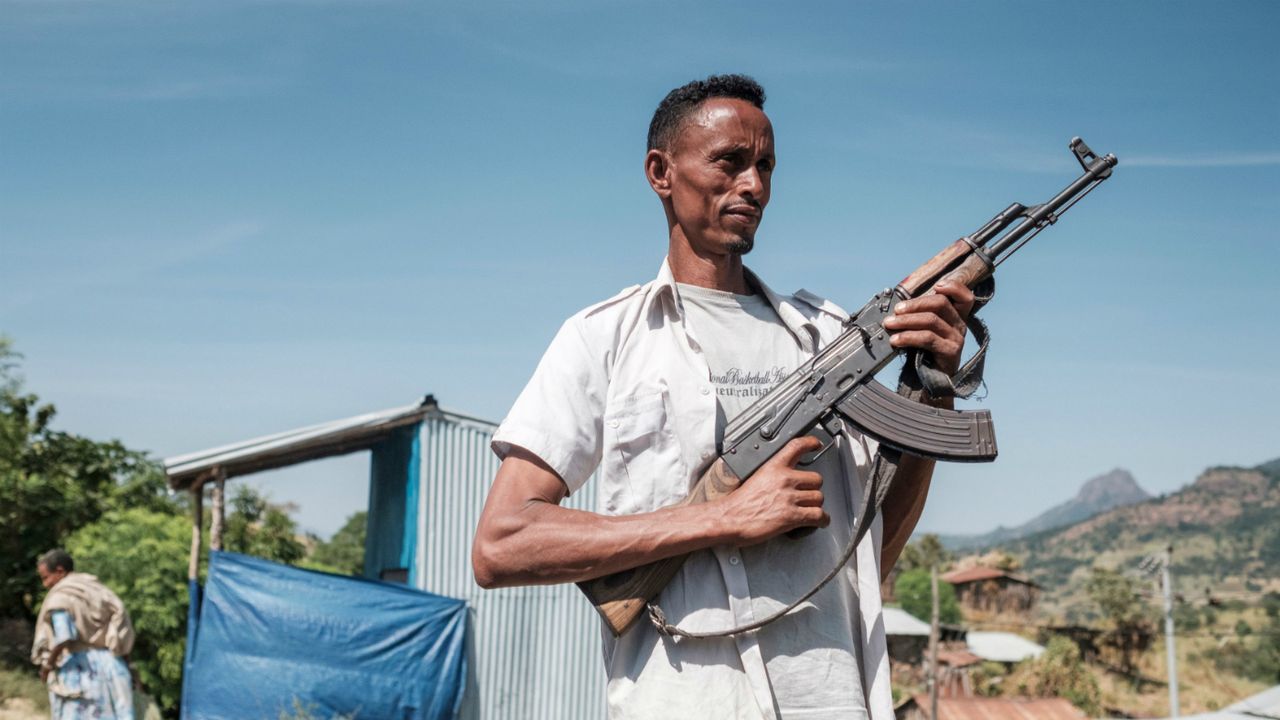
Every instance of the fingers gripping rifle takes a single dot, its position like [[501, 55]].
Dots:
[[836, 388]]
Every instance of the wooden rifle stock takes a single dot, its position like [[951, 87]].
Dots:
[[620, 598]]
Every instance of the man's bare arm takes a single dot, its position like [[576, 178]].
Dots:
[[525, 537], [902, 508]]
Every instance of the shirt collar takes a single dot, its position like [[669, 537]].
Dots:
[[665, 295]]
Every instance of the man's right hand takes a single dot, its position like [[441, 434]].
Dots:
[[778, 497]]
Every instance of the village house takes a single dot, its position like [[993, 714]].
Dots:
[[985, 591]]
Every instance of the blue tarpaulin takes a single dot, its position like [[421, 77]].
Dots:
[[272, 639]]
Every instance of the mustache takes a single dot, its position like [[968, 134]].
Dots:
[[744, 203]]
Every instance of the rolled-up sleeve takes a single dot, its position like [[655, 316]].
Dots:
[[558, 416], [64, 628]]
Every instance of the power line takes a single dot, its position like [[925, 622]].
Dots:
[[979, 627]]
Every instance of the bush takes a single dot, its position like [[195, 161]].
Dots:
[[1185, 618], [344, 552], [913, 591], [1271, 604], [988, 678], [1059, 672], [142, 556]]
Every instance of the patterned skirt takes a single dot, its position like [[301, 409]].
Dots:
[[91, 685]]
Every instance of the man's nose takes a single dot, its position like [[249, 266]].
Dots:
[[751, 182]]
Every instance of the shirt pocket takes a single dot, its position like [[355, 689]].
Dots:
[[643, 467]]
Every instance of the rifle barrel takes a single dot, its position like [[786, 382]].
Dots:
[[1038, 217]]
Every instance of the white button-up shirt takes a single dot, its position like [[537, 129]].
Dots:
[[624, 387]]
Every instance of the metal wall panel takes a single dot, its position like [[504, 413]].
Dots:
[[536, 649]]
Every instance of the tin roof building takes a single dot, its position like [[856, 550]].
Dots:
[[532, 652]]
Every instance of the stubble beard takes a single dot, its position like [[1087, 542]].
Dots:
[[742, 245]]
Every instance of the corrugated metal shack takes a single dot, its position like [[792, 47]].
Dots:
[[534, 652]]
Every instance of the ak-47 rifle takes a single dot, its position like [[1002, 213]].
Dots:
[[837, 387]]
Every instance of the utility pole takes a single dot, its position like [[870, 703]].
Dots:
[[1170, 648], [934, 632]]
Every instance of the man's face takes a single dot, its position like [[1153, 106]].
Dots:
[[48, 577], [721, 164]]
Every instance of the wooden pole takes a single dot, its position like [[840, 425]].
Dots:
[[197, 523], [219, 510], [1170, 648], [935, 631]]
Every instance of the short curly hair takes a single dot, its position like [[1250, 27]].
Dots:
[[681, 102]]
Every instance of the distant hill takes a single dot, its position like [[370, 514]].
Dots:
[[1272, 467], [1105, 492], [1224, 528]]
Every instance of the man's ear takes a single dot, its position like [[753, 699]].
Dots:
[[657, 170]]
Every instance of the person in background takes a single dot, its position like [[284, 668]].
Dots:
[[83, 636]]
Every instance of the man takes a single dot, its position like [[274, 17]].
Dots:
[[642, 386], [82, 635]]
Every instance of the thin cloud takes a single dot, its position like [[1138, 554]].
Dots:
[[130, 263], [1209, 160], [55, 85]]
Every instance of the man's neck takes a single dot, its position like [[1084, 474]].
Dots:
[[718, 272]]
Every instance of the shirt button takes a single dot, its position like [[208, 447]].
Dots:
[[733, 559], [706, 391], [613, 423]]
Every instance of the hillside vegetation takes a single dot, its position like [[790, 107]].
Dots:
[[1224, 529]]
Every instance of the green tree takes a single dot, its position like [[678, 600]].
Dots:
[[923, 554], [916, 596], [142, 555], [344, 552], [257, 527], [1129, 616], [53, 482]]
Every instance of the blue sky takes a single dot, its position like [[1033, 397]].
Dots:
[[225, 219]]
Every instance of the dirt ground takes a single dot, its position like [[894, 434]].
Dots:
[[20, 709], [24, 709]]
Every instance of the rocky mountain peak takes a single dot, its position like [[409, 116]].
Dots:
[[1112, 489]]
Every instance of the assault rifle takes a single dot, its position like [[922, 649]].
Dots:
[[837, 387]]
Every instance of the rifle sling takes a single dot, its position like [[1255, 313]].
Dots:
[[883, 473], [968, 378]]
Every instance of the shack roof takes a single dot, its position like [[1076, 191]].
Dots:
[[900, 622], [958, 658], [976, 573], [1002, 646], [336, 437], [1001, 708]]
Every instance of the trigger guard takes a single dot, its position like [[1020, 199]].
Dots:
[[824, 435]]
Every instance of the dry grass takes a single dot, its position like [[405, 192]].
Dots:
[[15, 684], [1201, 686], [22, 696]]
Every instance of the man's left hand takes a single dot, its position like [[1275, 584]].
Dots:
[[934, 323]]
